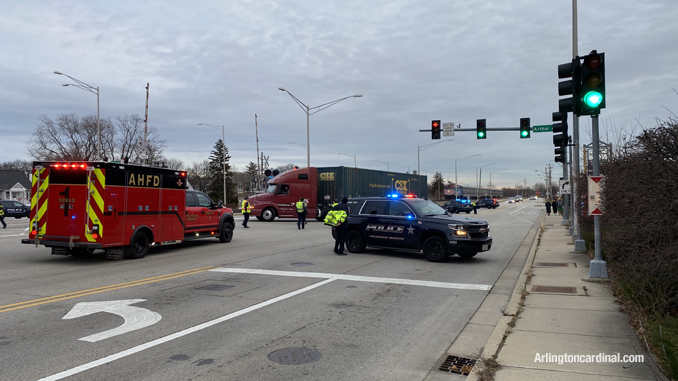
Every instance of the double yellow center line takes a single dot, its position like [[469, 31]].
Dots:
[[71, 295]]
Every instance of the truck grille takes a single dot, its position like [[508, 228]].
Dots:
[[478, 231]]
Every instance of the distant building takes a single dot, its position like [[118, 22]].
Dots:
[[15, 185]]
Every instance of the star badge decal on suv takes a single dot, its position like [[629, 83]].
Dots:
[[410, 230]]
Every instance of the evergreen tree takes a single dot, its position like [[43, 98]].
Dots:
[[218, 163], [437, 186]]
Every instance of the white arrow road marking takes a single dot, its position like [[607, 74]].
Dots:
[[135, 317]]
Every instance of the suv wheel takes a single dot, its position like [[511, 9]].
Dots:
[[434, 249], [355, 243]]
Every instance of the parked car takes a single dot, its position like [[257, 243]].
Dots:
[[489, 203], [456, 206], [15, 209]]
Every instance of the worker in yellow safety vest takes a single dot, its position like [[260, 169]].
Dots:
[[246, 208], [2, 216], [338, 219], [300, 206]]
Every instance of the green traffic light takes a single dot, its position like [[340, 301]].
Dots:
[[481, 134], [523, 134], [593, 99]]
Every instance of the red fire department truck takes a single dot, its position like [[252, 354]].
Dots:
[[78, 207]]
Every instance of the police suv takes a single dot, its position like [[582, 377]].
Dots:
[[407, 222]]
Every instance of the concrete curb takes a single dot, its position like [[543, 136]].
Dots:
[[497, 337]]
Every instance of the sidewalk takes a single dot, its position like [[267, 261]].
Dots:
[[564, 315]]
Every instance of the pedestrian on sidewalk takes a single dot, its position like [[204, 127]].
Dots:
[[548, 207], [301, 213], [560, 206]]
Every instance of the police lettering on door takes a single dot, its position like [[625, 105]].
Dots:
[[143, 180], [388, 229]]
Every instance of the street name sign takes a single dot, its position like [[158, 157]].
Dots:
[[542, 128]]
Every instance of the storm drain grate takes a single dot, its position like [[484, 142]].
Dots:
[[552, 264], [302, 264], [294, 356], [458, 365], [559, 289], [215, 287]]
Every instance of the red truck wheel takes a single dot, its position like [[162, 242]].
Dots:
[[139, 247]]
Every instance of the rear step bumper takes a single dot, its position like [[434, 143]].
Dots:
[[70, 244]]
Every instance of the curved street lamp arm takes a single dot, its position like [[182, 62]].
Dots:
[[300, 103], [421, 148], [79, 84], [328, 104]]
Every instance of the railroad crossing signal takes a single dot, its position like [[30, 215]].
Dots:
[[524, 128], [481, 129], [435, 129]]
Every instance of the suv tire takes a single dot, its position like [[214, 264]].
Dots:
[[355, 243], [434, 249]]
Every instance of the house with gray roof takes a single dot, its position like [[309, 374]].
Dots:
[[15, 185]]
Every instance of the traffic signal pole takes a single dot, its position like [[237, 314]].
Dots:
[[597, 266]]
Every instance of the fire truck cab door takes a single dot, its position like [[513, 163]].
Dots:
[[208, 217]]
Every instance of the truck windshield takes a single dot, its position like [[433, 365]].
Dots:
[[427, 208], [271, 188]]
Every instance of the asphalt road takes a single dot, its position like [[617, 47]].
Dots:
[[204, 310]]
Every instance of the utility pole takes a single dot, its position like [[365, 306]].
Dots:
[[256, 129]]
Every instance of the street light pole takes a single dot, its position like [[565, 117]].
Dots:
[[223, 141], [421, 148], [455, 173], [386, 162], [308, 112], [479, 180], [82, 85], [498, 170]]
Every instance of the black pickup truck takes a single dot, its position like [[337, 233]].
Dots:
[[402, 222]]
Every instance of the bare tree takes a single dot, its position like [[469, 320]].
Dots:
[[67, 138], [285, 168], [173, 163], [21, 165], [70, 137], [130, 137], [199, 174]]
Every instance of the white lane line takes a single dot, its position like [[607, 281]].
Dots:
[[515, 211], [188, 331], [357, 278]]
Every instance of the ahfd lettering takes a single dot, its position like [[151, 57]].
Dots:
[[143, 180]]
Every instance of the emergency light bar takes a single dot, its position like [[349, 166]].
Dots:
[[396, 195], [69, 165]]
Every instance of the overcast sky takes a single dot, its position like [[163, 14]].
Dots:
[[222, 62]]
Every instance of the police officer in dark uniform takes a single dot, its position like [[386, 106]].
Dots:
[[342, 229]]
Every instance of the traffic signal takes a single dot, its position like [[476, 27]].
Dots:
[[481, 129], [524, 128], [435, 129], [570, 87], [593, 83], [560, 135]]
